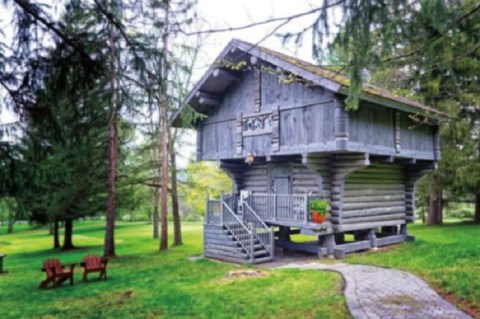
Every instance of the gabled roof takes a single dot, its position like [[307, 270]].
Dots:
[[238, 50]]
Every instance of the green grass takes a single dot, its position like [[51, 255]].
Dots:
[[144, 283], [447, 257]]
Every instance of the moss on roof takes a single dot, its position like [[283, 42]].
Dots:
[[342, 79]]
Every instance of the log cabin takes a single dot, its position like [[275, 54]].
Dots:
[[280, 128]]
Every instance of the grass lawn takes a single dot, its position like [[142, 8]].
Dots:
[[144, 283], [447, 257]]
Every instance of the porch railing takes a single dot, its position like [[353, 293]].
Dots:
[[261, 231], [213, 215], [275, 207]]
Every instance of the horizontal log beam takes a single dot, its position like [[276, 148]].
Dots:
[[207, 98], [226, 75]]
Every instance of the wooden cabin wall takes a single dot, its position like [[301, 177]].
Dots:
[[372, 126], [415, 136], [259, 178], [256, 179], [305, 180], [218, 139], [302, 127], [305, 119], [374, 196], [380, 130]]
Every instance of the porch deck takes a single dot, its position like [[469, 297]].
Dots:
[[251, 225]]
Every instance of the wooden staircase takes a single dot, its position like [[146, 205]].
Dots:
[[220, 243], [230, 237]]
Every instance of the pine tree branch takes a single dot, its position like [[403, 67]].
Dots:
[[28, 8], [413, 52], [267, 21], [468, 14]]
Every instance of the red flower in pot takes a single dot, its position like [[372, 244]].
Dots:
[[319, 209]]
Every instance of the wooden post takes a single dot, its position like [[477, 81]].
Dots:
[[305, 198], [341, 126], [275, 129], [239, 131], [398, 143], [372, 238], [274, 206], [207, 209], [221, 209], [251, 247]]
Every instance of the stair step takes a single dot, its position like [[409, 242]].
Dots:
[[234, 249], [260, 253], [262, 260], [215, 231], [230, 243], [247, 241], [234, 226], [218, 237], [228, 259], [224, 253]]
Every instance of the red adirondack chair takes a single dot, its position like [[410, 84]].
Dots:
[[56, 273], [94, 263]]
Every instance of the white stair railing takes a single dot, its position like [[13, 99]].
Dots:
[[260, 230], [238, 229]]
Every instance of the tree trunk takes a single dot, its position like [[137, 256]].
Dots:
[[12, 214], [109, 246], [476, 217], [56, 238], [156, 217], [164, 139], [68, 236], [435, 207], [177, 228], [11, 222], [164, 195]]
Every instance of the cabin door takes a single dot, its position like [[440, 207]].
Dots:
[[281, 188]]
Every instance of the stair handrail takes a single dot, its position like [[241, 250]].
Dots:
[[266, 242], [252, 211], [230, 213]]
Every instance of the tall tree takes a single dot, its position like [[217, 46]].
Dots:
[[109, 246]]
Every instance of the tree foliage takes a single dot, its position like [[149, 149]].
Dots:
[[203, 180]]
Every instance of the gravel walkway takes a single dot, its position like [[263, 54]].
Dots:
[[374, 292]]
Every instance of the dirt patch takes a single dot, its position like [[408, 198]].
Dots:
[[243, 274], [239, 274], [119, 298], [467, 306], [404, 301]]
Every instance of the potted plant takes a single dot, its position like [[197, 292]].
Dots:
[[318, 208]]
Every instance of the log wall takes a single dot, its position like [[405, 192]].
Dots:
[[259, 178], [375, 195]]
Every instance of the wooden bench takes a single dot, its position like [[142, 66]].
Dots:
[[56, 273], [94, 263]]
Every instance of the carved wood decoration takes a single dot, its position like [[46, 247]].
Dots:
[[341, 126], [239, 134], [257, 125], [257, 98], [397, 132], [276, 129]]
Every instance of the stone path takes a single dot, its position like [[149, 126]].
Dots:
[[374, 292]]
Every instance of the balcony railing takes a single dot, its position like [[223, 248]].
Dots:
[[275, 207]]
